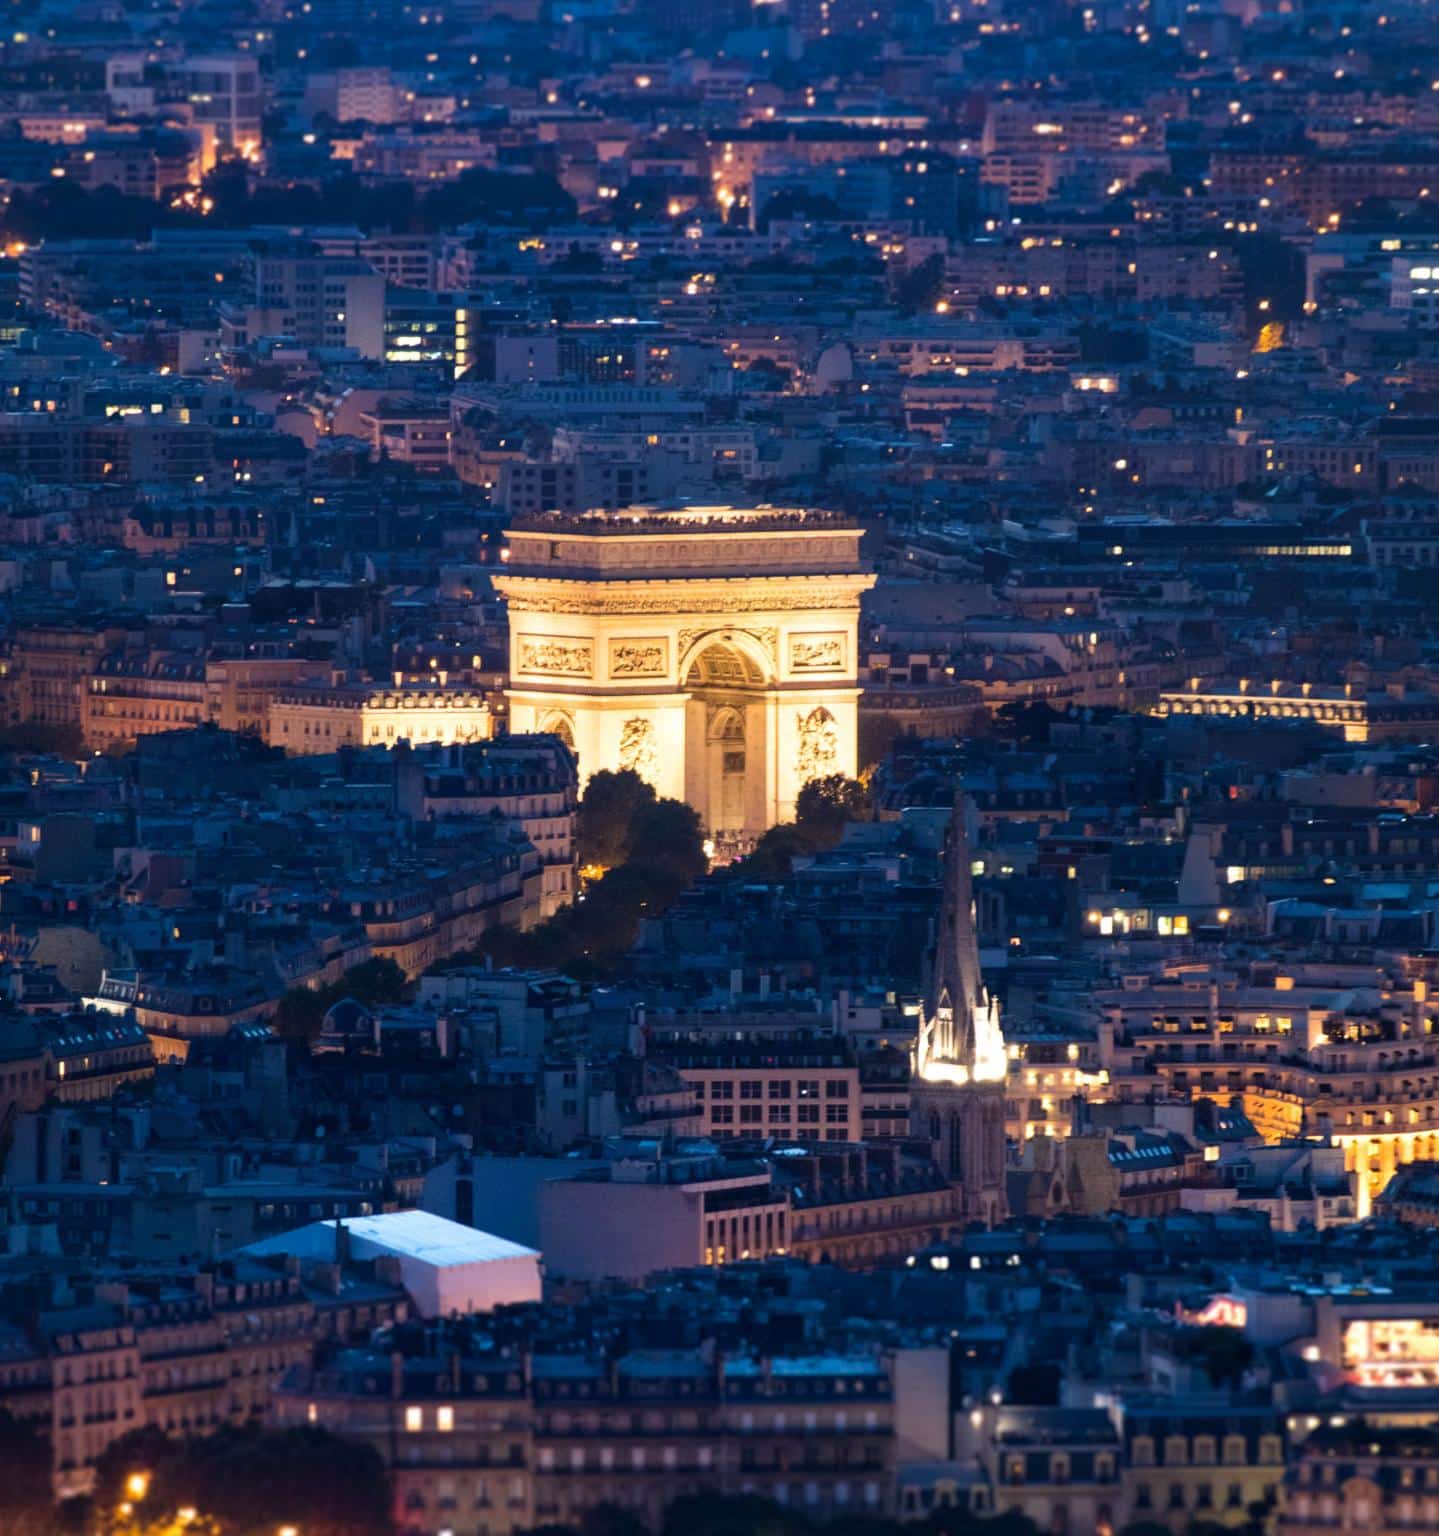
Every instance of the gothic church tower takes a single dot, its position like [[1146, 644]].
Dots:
[[960, 1065]]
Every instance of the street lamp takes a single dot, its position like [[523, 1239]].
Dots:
[[137, 1485]]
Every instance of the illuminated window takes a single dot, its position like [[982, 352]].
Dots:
[[414, 1419]]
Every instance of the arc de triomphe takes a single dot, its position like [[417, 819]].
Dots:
[[711, 649]]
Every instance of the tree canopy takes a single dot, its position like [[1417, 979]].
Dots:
[[61, 209], [606, 817], [920, 289], [638, 853], [302, 1009], [712, 1514], [249, 1479], [823, 808], [1224, 1354], [26, 1509]]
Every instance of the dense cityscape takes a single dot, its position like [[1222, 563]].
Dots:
[[719, 768]]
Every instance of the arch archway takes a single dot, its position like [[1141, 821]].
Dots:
[[727, 676], [726, 655], [558, 723]]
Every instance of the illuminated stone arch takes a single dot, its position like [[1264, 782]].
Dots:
[[727, 638]]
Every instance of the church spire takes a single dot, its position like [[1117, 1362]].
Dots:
[[959, 1036], [956, 992], [956, 1100]]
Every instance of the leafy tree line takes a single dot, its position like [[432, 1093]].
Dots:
[[241, 1482], [40, 737], [638, 854], [302, 1010], [749, 1515], [63, 210], [822, 810]]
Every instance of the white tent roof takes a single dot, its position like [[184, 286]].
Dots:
[[408, 1234]]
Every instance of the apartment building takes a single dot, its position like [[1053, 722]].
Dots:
[[1350, 1058], [322, 302], [323, 717], [803, 1087], [532, 780], [486, 1446], [1363, 1477]]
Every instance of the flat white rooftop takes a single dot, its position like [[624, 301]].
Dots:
[[407, 1234]]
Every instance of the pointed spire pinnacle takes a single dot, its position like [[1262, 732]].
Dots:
[[956, 995]]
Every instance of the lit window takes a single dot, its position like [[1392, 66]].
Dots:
[[414, 1419]]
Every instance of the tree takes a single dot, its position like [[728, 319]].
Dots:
[[251, 1479], [774, 854], [1105, 344], [639, 852], [605, 818], [1035, 1385], [961, 1522], [63, 210], [1027, 722], [920, 289], [797, 203], [825, 806], [1224, 1354], [27, 1508], [580, 262], [1273, 278], [302, 1010], [667, 836], [607, 921], [822, 809], [37, 736], [611, 1520], [498, 197], [745, 1515], [376, 980]]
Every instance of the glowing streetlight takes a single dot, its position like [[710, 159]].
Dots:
[[137, 1485]]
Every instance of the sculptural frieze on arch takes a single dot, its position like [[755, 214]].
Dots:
[[711, 649], [574, 658]]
